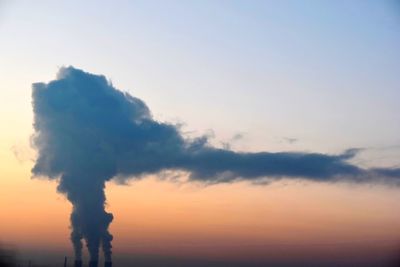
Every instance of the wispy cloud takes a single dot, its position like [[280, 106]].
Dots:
[[88, 132]]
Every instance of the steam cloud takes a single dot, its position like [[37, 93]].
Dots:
[[87, 132]]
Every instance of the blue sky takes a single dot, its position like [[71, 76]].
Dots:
[[309, 76], [322, 72]]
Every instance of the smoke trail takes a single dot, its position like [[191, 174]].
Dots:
[[89, 219], [87, 132]]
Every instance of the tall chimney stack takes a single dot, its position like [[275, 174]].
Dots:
[[65, 261], [93, 263], [108, 264]]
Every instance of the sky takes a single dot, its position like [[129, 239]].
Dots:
[[310, 76]]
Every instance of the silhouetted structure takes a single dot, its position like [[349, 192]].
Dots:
[[93, 263], [107, 264]]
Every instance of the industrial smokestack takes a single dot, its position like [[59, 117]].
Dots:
[[78, 263], [93, 263], [107, 264], [87, 132], [65, 261]]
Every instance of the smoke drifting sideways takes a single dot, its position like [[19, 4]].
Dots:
[[87, 132]]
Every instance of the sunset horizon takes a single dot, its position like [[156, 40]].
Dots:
[[200, 133]]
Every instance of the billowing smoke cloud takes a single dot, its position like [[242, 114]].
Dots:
[[88, 132]]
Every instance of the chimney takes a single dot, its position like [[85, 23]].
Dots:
[[78, 263], [93, 263], [108, 264], [65, 261]]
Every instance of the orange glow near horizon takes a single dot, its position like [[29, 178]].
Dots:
[[238, 220]]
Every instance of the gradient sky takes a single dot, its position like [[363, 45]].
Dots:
[[323, 73]]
